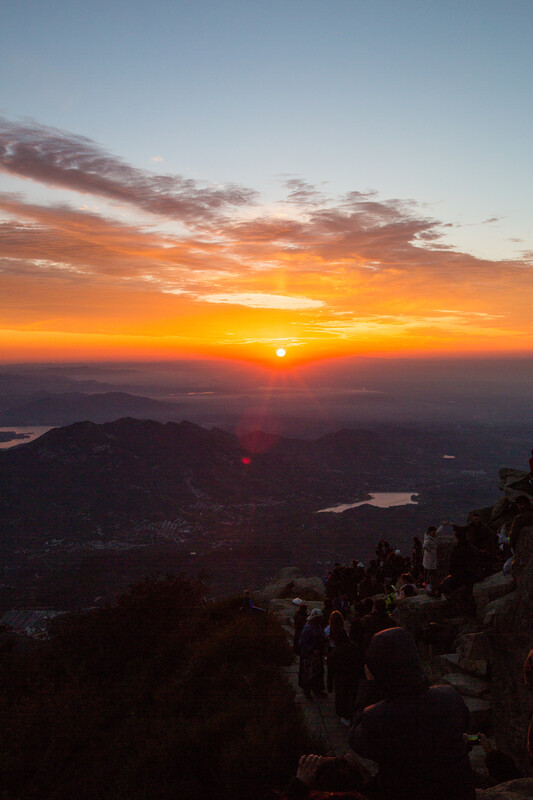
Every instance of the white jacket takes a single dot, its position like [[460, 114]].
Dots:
[[430, 546]]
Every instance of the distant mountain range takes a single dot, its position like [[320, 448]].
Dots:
[[70, 407], [132, 469], [92, 505]]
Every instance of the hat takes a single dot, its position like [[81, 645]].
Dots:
[[297, 601], [316, 612]]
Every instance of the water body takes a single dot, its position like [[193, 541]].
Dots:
[[379, 499], [30, 432]]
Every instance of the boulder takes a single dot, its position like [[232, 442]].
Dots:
[[490, 589], [289, 583], [467, 685], [415, 613], [514, 482], [471, 645], [472, 653], [521, 789], [497, 612]]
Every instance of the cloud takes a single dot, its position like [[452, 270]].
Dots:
[[259, 300], [301, 192], [58, 158], [311, 268]]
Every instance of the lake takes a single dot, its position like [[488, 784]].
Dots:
[[31, 431], [379, 499]]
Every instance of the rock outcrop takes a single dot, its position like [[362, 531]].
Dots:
[[289, 583]]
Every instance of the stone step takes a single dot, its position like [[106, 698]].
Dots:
[[467, 685], [480, 715]]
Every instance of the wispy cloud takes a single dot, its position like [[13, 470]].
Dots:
[[65, 160]]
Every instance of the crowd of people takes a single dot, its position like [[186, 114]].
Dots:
[[352, 647]]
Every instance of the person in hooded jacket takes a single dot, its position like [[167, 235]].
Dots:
[[415, 732]]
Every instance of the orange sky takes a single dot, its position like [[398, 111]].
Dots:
[[121, 265]]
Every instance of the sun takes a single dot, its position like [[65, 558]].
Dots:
[[281, 352]]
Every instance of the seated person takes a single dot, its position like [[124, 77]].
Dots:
[[415, 732], [406, 579]]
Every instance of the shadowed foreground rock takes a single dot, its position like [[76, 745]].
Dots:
[[521, 789]]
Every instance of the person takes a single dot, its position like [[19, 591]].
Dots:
[[430, 561], [414, 732], [406, 579], [248, 604], [523, 518], [345, 669], [465, 567], [376, 621], [342, 604], [299, 619], [417, 557], [383, 549], [326, 612], [390, 597], [478, 534], [500, 766], [335, 625], [311, 669]]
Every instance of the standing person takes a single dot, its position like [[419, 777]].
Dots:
[[415, 732], [333, 632], [429, 562], [345, 669], [417, 557], [312, 643], [299, 619]]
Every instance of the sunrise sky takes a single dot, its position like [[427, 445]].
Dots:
[[231, 178]]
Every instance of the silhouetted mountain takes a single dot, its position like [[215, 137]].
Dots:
[[87, 506], [17, 388], [65, 409]]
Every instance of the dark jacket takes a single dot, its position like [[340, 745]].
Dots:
[[345, 669], [373, 623], [415, 733], [465, 564]]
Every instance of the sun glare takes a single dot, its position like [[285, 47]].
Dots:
[[280, 352]]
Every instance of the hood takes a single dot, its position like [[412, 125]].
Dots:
[[393, 660]]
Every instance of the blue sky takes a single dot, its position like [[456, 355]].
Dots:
[[425, 103], [417, 100]]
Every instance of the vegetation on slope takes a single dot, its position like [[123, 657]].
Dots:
[[159, 696]]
